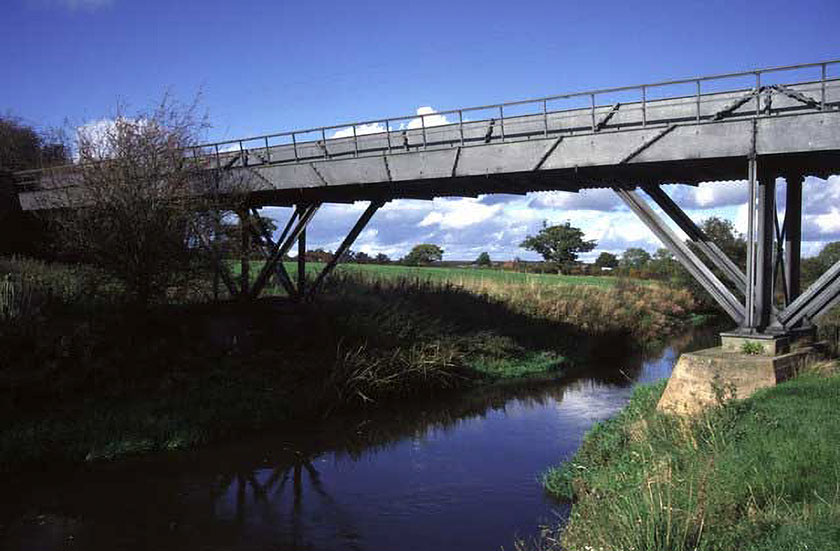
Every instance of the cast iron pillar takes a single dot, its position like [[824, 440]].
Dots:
[[793, 234], [764, 249], [245, 258], [301, 263]]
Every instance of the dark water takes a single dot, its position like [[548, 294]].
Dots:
[[459, 474]]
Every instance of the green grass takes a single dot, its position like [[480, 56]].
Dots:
[[82, 377], [374, 272], [758, 474]]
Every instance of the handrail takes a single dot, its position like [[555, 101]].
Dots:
[[540, 103]]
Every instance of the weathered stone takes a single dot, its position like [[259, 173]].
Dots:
[[714, 375]]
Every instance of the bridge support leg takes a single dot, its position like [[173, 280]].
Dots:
[[346, 244], [722, 295], [764, 251], [263, 237], [708, 247], [301, 264], [793, 234], [304, 216], [245, 251]]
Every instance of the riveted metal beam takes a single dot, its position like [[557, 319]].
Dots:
[[283, 246], [345, 245], [815, 301], [697, 236], [684, 254]]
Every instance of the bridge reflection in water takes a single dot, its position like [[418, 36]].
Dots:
[[460, 473]]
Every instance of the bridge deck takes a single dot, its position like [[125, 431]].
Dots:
[[532, 145]]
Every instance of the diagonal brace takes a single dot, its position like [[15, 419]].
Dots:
[[223, 270], [684, 254], [346, 244], [282, 247], [816, 300], [708, 247], [267, 244], [606, 118]]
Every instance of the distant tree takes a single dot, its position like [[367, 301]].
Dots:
[[606, 260], [22, 147], [814, 267], [722, 232], [558, 245], [634, 258], [362, 258], [483, 260], [423, 254], [663, 264], [318, 255], [381, 258]]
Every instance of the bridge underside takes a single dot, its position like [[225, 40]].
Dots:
[[749, 134]]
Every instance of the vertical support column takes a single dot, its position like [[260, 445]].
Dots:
[[245, 253], [764, 249], [301, 262], [749, 306], [793, 234]]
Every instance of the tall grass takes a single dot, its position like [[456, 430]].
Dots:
[[644, 312], [759, 474]]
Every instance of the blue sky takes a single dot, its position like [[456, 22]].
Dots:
[[270, 66]]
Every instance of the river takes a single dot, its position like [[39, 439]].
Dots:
[[457, 474]]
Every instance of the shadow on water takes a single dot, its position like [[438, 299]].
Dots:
[[458, 473]]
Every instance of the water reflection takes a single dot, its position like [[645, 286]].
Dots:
[[460, 473]]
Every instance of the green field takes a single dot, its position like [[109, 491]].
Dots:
[[443, 274]]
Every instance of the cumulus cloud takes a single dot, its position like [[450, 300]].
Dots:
[[464, 227], [588, 199], [708, 195], [427, 117], [361, 130], [75, 5], [459, 214]]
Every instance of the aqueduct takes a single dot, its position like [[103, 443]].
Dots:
[[753, 126]]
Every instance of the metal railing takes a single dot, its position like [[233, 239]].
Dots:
[[227, 148]]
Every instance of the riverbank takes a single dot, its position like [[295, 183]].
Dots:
[[757, 474], [84, 377]]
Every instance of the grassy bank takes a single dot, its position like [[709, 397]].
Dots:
[[758, 474], [83, 376]]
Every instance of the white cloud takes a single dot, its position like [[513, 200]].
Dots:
[[464, 227], [361, 130], [86, 5], [459, 214], [427, 118], [588, 199]]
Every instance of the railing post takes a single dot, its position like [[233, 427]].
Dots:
[[218, 158], [242, 157], [698, 101], [822, 86], [388, 134], [545, 118], [267, 151], [294, 146], [461, 125], [324, 141], [592, 111], [355, 142], [423, 124], [502, 120], [757, 93], [644, 106]]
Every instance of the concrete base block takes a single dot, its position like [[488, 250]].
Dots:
[[708, 377]]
